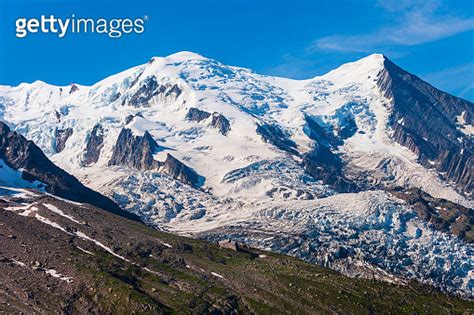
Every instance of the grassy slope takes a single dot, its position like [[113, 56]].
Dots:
[[272, 284], [182, 280]]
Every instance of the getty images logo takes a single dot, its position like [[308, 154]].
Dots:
[[114, 28]]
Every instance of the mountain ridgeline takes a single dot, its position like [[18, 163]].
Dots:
[[366, 169], [21, 154], [426, 120]]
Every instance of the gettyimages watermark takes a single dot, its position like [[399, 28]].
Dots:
[[114, 28]]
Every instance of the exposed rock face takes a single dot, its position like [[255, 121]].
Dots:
[[180, 171], [322, 163], [319, 134], [425, 120], [61, 136], [346, 126], [274, 135], [94, 146], [198, 115], [74, 88], [221, 123], [135, 151], [130, 118], [19, 153], [218, 120], [442, 214], [149, 89]]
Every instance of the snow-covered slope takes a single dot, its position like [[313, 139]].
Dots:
[[230, 148]]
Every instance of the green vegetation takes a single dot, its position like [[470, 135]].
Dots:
[[249, 283]]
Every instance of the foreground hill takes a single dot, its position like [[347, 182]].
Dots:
[[63, 257]]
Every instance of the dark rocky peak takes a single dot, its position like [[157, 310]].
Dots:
[[94, 145], [150, 88], [135, 151], [60, 138], [19, 153], [425, 120], [74, 88], [180, 171], [198, 115], [221, 123], [396, 82]]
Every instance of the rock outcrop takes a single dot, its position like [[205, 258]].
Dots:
[[442, 214], [274, 135], [135, 151], [425, 120], [198, 115], [221, 123], [19, 153], [180, 171], [218, 121], [95, 142], [322, 163], [151, 88], [74, 88], [61, 136]]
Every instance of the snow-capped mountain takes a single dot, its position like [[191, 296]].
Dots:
[[366, 169], [24, 166]]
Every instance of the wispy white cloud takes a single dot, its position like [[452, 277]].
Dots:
[[415, 23], [296, 67], [467, 90], [457, 80]]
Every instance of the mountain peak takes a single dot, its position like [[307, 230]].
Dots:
[[375, 57], [359, 70], [185, 55], [369, 62]]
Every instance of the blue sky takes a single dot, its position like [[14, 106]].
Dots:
[[297, 39]]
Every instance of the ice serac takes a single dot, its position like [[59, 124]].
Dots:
[[426, 120], [135, 151], [19, 153]]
